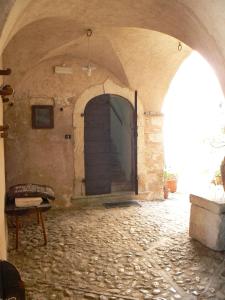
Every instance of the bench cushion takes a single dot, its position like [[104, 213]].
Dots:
[[29, 190]]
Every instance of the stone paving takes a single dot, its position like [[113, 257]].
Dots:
[[120, 253]]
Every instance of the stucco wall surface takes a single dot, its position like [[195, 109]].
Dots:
[[44, 156]]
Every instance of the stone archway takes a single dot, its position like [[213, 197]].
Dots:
[[108, 87]]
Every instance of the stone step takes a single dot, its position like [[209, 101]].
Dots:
[[118, 186], [95, 200]]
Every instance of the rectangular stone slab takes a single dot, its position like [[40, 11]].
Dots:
[[207, 222], [215, 206]]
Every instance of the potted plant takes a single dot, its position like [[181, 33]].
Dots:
[[170, 180], [222, 171], [217, 180]]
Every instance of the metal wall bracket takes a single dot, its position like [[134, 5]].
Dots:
[[4, 127], [3, 131], [5, 72], [4, 135], [6, 90], [5, 99]]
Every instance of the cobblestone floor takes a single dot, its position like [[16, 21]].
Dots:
[[121, 253]]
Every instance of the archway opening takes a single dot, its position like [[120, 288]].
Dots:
[[108, 145], [194, 123]]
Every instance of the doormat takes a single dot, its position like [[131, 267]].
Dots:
[[121, 204]]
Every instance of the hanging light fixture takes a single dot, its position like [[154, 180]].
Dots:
[[89, 68], [179, 47]]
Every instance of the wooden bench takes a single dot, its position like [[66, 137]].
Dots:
[[28, 191]]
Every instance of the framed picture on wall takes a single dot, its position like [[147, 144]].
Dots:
[[42, 116]]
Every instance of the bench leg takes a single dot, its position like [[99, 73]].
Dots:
[[38, 219], [17, 231], [43, 228]]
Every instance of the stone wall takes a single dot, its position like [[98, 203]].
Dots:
[[44, 156], [150, 156]]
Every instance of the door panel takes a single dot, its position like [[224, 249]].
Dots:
[[97, 146], [110, 145]]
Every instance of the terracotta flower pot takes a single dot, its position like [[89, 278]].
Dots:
[[166, 192], [171, 185]]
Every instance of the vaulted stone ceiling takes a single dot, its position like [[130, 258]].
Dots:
[[126, 41], [139, 58]]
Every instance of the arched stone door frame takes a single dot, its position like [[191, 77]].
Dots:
[[109, 87]]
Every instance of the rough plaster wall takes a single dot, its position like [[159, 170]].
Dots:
[[45, 156], [2, 187]]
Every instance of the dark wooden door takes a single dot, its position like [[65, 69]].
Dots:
[[97, 146]]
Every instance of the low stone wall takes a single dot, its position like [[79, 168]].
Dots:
[[207, 222]]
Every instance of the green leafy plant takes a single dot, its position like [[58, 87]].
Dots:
[[217, 180], [217, 173], [168, 175]]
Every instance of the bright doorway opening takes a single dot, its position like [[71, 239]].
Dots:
[[194, 122]]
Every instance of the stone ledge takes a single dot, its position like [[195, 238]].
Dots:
[[215, 206], [207, 222]]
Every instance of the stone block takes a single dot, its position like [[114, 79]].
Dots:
[[154, 137], [207, 222], [216, 206], [157, 122]]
